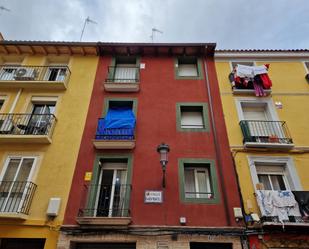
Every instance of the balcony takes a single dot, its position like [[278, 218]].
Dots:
[[34, 77], [288, 208], [107, 205], [266, 134], [113, 138], [26, 128], [238, 90], [122, 79], [16, 198]]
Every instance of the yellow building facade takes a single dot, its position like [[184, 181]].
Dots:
[[45, 90], [268, 135]]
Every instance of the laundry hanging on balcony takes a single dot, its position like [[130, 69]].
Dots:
[[280, 204], [118, 124], [251, 77]]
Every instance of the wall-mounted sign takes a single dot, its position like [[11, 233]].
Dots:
[[88, 176], [153, 196]]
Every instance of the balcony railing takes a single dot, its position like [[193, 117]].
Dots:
[[123, 74], [26, 124], [265, 133], [110, 201], [27, 75], [16, 197]]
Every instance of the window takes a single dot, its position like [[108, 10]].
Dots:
[[15, 185], [188, 67], [192, 117], [260, 124], [198, 181], [40, 119], [56, 73], [274, 173], [124, 70], [110, 188], [245, 63]]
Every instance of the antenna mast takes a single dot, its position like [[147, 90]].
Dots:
[[153, 31], [87, 20]]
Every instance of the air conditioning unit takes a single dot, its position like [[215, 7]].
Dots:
[[25, 74]]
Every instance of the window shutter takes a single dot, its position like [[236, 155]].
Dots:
[[191, 119], [125, 72], [187, 70], [254, 113]]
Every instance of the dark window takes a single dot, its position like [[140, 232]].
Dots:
[[14, 243], [104, 246], [197, 245]]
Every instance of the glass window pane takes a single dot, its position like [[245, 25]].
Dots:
[[203, 184], [11, 170], [189, 183], [265, 181], [25, 169], [278, 183]]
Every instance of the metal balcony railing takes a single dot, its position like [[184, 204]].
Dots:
[[107, 201], [34, 73], [265, 132], [16, 196], [123, 74], [26, 124], [113, 133]]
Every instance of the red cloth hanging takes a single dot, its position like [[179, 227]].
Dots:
[[266, 81]]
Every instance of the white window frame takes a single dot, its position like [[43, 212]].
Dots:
[[55, 66], [256, 102], [290, 171], [206, 170], [30, 176]]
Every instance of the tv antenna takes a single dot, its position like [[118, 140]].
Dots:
[[153, 31], [4, 9], [87, 20]]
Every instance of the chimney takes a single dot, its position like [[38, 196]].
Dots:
[[1, 37]]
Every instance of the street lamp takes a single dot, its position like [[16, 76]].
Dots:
[[163, 149]]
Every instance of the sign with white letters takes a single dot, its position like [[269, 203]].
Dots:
[[153, 196]]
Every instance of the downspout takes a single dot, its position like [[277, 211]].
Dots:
[[15, 101], [218, 151]]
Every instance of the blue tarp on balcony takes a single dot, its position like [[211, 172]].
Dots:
[[118, 124]]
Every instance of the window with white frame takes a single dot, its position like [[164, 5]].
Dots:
[[274, 173], [197, 181], [125, 70], [8, 71], [56, 73], [15, 183], [259, 120], [192, 117]]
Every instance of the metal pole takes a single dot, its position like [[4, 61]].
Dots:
[[81, 36]]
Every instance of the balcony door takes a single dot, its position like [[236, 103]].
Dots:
[[15, 182], [262, 124], [112, 189], [41, 117]]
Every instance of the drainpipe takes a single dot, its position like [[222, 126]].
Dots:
[[15, 101], [217, 147]]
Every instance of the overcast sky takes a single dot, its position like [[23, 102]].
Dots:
[[230, 23]]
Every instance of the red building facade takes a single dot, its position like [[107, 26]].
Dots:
[[144, 95]]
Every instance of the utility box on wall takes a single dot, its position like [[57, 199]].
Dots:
[[53, 207]]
